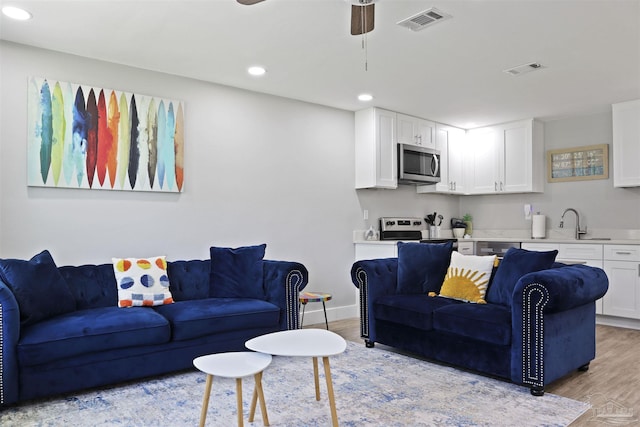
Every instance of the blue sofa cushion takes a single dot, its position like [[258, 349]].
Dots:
[[515, 264], [237, 272], [189, 279], [483, 322], [422, 266], [38, 286], [198, 318], [410, 310], [91, 331], [92, 286]]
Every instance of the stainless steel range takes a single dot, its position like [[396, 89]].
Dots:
[[401, 228], [408, 228]]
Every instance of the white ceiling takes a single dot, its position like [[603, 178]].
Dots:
[[451, 72]]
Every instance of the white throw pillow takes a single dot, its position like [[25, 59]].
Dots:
[[468, 277], [142, 281]]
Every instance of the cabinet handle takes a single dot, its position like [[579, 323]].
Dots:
[[501, 186], [623, 253], [495, 186], [454, 185]]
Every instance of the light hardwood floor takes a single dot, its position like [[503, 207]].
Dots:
[[613, 376]]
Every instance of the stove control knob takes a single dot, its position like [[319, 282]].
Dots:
[[417, 222], [390, 223]]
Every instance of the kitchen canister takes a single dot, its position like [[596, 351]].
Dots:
[[538, 226]]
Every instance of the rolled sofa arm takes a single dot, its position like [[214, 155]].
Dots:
[[374, 278], [9, 335], [553, 321], [567, 287], [283, 280]]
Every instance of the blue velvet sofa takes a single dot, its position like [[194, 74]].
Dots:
[[537, 325], [72, 334]]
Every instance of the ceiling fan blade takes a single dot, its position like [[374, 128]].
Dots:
[[362, 19], [249, 2]]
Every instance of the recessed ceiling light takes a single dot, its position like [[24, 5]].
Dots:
[[16, 13], [256, 70], [365, 97]]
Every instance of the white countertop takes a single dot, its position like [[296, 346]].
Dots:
[[617, 237]]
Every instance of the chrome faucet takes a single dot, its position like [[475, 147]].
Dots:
[[579, 231]]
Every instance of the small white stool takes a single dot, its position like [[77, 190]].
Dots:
[[235, 365]]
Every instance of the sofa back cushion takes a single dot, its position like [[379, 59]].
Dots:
[[38, 286], [92, 286], [189, 279], [422, 266], [237, 272], [515, 264]]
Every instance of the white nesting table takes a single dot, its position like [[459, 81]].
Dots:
[[235, 365], [305, 343]]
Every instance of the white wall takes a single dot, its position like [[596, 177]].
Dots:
[[257, 169], [601, 206]]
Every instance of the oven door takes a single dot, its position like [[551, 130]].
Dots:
[[418, 165]]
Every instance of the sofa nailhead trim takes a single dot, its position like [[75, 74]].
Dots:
[[363, 285], [533, 340], [294, 280]]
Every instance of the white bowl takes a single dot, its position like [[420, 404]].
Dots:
[[458, 233]]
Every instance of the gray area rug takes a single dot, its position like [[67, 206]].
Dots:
[[373, 387]]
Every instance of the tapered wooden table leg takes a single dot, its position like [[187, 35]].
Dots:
[[332, 400], [239, 397], [316, 377], [258, 394], [205, 401]]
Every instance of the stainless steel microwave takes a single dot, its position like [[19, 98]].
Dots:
[[418, 165]]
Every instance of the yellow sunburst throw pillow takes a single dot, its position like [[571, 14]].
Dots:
[[468, 277]]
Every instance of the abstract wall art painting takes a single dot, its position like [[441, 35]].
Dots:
[[93, 138]]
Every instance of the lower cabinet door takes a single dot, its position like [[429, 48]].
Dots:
[[623, 297]]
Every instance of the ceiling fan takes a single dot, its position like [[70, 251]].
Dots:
[[362, 14]]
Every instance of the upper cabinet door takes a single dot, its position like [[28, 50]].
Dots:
[[507, 158], [485, 150], [415, 131], [375, 144], [626, 144]]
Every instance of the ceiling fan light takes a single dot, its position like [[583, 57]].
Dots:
[[16, 13], [365, 97], [256, 70]]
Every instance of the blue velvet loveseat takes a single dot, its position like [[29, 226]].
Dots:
[[69, 328], [535, 324]]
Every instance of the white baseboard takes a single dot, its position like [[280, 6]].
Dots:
[[620, 322], [314, 313]]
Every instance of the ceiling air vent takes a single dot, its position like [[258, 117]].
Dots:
[[424, 19], [524, 68]]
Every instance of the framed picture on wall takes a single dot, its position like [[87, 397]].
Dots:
[[87, 137], [578, 163]]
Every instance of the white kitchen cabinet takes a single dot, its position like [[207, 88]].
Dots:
[[466, 247], [415, 131], [375, 145], [626, 144], [506, 158], [450, 143], [375, 251], [622, 265], [573, 253]]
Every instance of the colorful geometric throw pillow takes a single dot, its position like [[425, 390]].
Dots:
[[468, 277], [142, 281]]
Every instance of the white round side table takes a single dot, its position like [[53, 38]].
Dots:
[[235, 365]]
